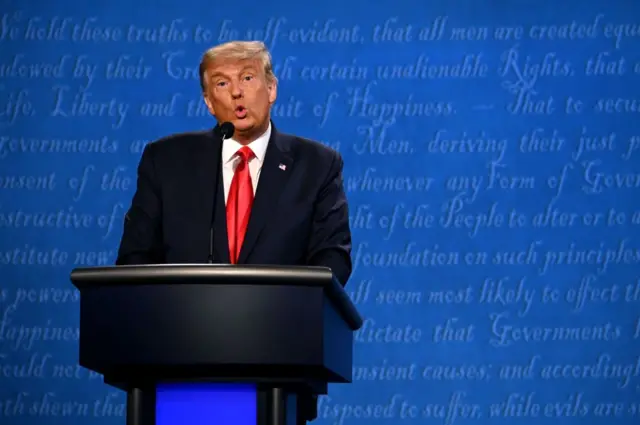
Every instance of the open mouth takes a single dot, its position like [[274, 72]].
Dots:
[[241, 111]]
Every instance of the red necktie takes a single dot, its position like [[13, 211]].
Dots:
[[239, 203]]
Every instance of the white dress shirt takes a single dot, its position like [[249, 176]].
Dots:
[[230, 159]]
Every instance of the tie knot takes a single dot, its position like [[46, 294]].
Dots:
[[245, 153]]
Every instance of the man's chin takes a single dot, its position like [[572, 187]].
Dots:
[[243, 124]]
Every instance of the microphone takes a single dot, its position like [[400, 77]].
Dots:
[[225, 131]]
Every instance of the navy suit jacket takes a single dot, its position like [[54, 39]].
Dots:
[[299, 215]]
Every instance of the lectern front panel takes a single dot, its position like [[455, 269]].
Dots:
[[206, 403]]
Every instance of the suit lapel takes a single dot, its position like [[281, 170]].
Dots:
[[209, 192], [220, 238], [274, 174]]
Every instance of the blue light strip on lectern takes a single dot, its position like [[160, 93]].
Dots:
[[210, 404]]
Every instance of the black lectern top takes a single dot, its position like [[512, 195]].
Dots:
[[222, 274]]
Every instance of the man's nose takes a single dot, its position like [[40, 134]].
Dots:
[[236, 91]]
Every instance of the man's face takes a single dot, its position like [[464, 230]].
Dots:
[[240, 93]]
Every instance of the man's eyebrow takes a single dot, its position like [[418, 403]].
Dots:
[[213, 74]]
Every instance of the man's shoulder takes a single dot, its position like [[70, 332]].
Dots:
[[176, 142], [312, 149]]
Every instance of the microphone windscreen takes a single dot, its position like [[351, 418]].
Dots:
[[227, 129]]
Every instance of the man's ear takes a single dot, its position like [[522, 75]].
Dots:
[[272, 87], [209, 104]]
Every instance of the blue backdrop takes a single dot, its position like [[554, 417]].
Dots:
[[492, 153]]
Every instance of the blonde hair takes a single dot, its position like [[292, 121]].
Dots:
[[237, 50]]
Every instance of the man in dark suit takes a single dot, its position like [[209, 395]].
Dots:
[[278, 198]]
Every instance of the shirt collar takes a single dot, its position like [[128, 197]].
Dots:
[[258, 146]]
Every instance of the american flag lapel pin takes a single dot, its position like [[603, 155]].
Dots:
[[282, 167]]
